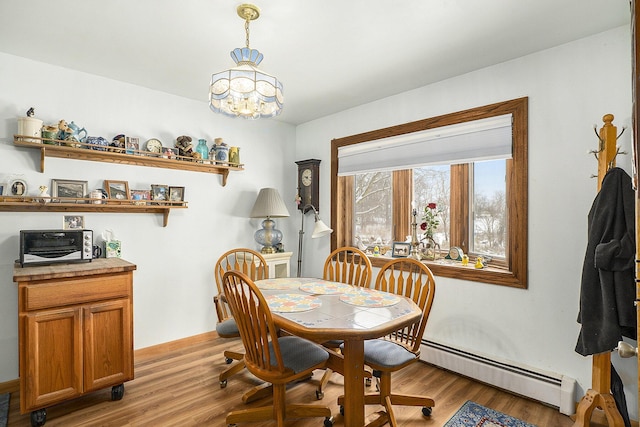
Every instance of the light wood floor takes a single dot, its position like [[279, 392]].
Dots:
[[179, 387]]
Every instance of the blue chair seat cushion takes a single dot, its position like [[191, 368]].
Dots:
[[386, 354], [299, 354], [228, 328]]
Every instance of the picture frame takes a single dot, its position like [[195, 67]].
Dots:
[[176, 194], [140, 197], [169, 152], [159, 192], [400, 249], [132, 145], [18, 187], [4, 188], [69, 188], [72, 222], [117, 190]]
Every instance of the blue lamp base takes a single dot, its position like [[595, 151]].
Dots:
[[268, 236]]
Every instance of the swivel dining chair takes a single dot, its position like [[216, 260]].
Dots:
[[276, 359], [345, 265], [410, 278], [255, 266]]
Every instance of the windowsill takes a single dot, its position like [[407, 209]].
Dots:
[[455, 270]]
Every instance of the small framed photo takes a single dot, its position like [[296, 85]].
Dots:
[[69, 188], [176, 194], [169, 152], [132, 145], [72, 222], [400, 249], [140, 197], [18, 187], [118, 190], [159, 192], [4, 189]]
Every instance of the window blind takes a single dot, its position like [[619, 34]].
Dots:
[[483, 139]]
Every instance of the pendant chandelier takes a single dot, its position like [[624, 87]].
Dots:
[[244, 91]]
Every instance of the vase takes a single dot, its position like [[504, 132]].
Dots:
[[430, 249], [203, 149], [46, 198]]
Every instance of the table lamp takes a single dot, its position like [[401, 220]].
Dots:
[[269, 204], [320, 229]]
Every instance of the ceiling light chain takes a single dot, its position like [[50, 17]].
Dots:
[[246, 29]]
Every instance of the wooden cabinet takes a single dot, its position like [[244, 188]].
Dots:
[[75, 331], [278, 264]]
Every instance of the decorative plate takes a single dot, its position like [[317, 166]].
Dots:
[[97, 143], [284, 283], [364, 297], [326, 288], [154, 146], [291, 303]]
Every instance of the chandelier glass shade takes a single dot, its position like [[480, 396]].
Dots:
[[244, 90]]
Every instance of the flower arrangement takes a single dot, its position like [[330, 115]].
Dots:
[[430, 220]]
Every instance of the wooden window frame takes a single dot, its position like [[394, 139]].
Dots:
[[513, 272]]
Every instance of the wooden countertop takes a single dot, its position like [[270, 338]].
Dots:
[[76, 269]]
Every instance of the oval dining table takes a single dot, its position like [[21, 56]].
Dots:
[[321, 310]]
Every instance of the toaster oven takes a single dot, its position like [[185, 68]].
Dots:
[[55, 246]]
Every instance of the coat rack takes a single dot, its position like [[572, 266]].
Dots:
[[599, 395]]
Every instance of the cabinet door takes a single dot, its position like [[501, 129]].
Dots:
[[108, 344], [53, 357]]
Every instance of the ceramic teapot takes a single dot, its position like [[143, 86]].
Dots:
[[77, 132]]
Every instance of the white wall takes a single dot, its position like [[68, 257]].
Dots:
[[570, 88], [173, 285]]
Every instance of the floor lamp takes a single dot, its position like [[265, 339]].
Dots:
[[320, 229]]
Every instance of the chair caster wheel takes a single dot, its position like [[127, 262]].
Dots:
[[319, 394], [328, 422], [367, 382], [38, 417], [223, 383], [342, 410], [117, 392], [426, 411], [228, 360]]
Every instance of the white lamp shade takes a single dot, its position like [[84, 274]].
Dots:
[[321, 229], [269, 204]]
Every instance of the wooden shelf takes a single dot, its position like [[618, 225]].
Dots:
[[55, 148], [36, 204]]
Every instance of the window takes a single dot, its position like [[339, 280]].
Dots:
[[479, 188]]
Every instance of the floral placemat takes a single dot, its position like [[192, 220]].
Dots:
[[326, 288], [291, 303], [364, 297], [283, 283]]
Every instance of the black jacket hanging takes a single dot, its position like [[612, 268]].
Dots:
[[607, 293]]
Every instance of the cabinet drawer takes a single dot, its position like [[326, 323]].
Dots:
[[57, 293]]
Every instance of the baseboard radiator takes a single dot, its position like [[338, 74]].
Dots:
[[555, 390]]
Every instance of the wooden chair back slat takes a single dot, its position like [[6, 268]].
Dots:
[[348, 265], [245, 260]]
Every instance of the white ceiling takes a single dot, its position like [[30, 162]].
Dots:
[[331, 55]]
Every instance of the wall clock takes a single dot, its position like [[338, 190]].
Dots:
[[308, 184]]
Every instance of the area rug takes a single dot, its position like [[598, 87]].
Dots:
[[4, 409], [473, 415]]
